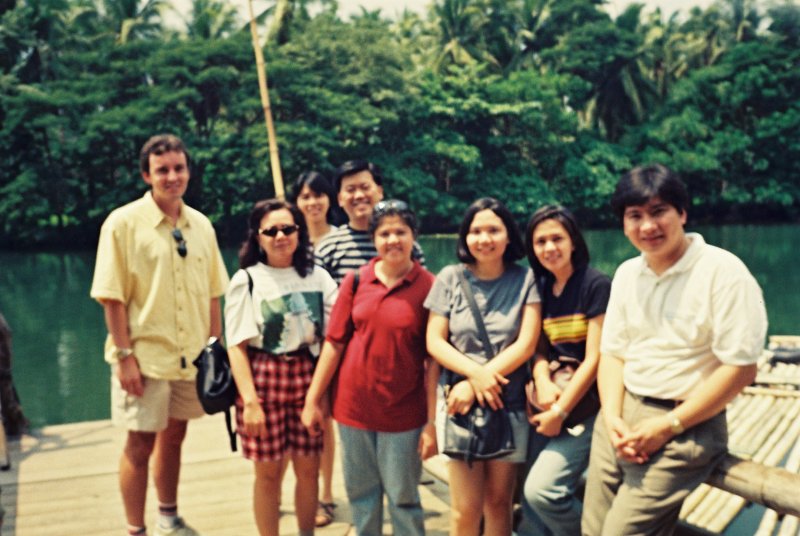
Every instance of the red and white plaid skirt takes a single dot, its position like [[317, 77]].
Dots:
[[281, 385]]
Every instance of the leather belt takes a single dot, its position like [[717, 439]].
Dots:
[[288, 356], [661, 402]]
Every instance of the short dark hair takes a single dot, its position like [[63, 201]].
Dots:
[[250, 253], [515, 249], [317, 183], [643, 183], [158, 145], [392, 207], [580, 255], [351, 167]]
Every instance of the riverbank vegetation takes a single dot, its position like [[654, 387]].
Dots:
[[531, 101]]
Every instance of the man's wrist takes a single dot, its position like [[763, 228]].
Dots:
[[675, 424], [122, 353]]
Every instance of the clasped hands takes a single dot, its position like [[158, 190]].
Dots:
[[637, 443], [548, 422], [484, 386]]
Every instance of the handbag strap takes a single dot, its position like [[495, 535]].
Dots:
[[356, 281], [466, 287], [249, 282]]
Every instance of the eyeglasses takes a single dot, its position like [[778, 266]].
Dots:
[[272, 232], [390, 204], [178, 236]]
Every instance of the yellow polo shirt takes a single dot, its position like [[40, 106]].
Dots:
[[167, 296]]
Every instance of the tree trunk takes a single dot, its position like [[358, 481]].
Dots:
[[13, 418]]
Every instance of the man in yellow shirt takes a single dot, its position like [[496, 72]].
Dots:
[[158, 275]]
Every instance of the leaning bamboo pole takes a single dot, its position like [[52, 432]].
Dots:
[[274, 158]]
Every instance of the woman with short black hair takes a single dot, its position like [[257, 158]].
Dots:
[[489, 244]]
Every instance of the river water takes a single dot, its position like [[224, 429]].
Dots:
[[59, 331]]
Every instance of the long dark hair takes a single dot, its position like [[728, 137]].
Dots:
[[515, 249], [251, 253], [579, 257], [319, 184]]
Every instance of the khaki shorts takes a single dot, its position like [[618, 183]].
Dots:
[[161, 400]]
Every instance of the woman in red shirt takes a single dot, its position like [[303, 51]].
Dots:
[[385, 389]]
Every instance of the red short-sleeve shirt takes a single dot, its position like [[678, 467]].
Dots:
[[380, 383]]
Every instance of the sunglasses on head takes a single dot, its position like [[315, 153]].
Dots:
[[389, 204], [272, 232], [178, 236]]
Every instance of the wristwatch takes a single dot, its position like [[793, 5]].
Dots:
[[122, 353], [675, 423]]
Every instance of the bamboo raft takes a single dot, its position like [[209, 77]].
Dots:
[[764, 427]]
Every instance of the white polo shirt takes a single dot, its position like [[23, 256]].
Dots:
[[672, 330]]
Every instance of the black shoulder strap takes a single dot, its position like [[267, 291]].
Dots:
[[488, 349], [249, 281], [231, 431], [356, 280]]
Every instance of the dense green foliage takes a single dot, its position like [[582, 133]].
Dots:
[[531, 101]]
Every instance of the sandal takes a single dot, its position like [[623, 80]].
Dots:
[[324, 514]]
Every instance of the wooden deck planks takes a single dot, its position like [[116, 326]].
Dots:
[[63, 482]]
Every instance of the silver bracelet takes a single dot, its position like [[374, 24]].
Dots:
[[558, 409]]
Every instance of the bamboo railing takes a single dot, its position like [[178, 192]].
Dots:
[[764, 430]]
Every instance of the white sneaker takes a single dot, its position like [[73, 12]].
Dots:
[[180, 529]]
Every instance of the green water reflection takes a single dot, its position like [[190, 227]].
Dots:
[[59, 331]]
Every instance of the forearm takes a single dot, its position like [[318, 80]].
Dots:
[[610, 385], [515, 354], [448, 357], [432, 372], [439, 348], [242, 374], [579, 385], [327, 364], [712, 395], [511, 358], [116, 316], [215, 329]]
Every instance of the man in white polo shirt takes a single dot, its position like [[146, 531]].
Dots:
[[684, 327]]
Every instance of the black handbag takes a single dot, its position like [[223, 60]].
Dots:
[[562, 370], [215, 385], [482, 433], [214, 382]]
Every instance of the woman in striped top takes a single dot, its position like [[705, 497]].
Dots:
[[574, 298]]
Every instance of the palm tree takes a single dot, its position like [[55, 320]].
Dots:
[[459, 23], [211, 19], [133, 19]]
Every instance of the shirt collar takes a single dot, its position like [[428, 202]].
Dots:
[[155, 215], [408, 278], [687, 260]]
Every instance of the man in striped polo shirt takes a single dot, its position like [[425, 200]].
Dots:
[[359, 187]]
